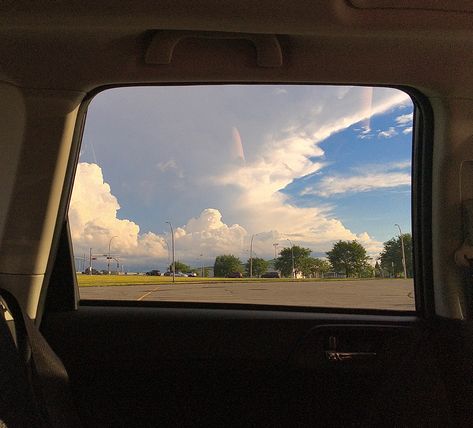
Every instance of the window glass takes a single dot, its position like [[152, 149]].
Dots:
[[265, 194]]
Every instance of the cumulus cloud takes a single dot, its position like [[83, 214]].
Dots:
[[208, 234], [407, 130], [94, 221], [218, 173], [93, 216]]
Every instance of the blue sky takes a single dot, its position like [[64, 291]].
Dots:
[[310, 163], [375, 210]]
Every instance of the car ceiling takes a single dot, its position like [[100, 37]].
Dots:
[[102, 43]]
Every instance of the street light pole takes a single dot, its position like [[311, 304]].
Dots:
[[109, 257], [292, 256], [173, 252], [251, 256], [275, 245], [169, 253], [251, 253], [403, 251]]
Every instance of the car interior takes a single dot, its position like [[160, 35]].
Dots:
[[184, 364]]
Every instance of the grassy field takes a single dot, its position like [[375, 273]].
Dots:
[[116, 280]]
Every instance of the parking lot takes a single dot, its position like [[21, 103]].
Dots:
[[394, 294]]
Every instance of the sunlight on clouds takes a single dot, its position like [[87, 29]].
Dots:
[[93, 219], [208, 234], [281, 162], [207, 159], [361, 112]]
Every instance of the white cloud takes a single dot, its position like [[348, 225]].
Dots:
[[336, 185], [405, 119], [365, 133], [400, 165], [93, 219], [369, 177], [276, 146], [209, 235], [389, 133], [407, 130]]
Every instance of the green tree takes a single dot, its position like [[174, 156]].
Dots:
[[226, 264], [284, 261], [349, 257], [391, 256], [180, 267], [260, 266], [313, 267], [378, 271]]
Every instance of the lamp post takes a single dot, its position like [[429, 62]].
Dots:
[[109, 256], [292, 256], [173, 252], [169, 253], [90, 261], [251, 254], [202, 264], [403, 252], [275, 245]]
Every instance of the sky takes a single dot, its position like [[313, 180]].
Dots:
[[307, 165]]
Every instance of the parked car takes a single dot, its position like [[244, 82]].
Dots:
[[192, 274], [181, 275], [94, 272], [271, 275], [235, 275], [154, 272]]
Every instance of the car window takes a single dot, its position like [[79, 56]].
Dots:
[[294, 195]]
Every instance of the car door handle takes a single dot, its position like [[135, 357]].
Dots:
[[350, 356], [333, 355]]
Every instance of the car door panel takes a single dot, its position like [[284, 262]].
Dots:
[[144, 366]]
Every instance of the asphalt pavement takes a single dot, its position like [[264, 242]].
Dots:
[[394, 294]]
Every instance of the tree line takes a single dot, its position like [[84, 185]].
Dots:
[[348, 258]]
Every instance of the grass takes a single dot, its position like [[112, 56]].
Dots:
[[117, 280]]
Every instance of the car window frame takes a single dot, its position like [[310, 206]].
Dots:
[[421, 217]]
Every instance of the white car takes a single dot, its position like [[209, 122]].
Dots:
[[181, 275]]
